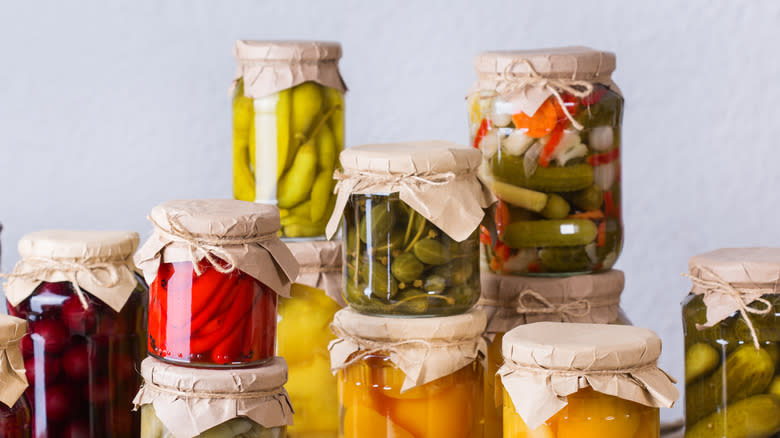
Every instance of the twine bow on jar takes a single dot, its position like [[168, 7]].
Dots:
[[524, 306], [741, 298], [359, 180], [510, 82]]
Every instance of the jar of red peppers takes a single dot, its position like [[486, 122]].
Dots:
[[214, 268], [183, 402], [85, 307], [15, 416], [548, 125]]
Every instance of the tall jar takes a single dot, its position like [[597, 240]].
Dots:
[[288, 129], [410, 218], [304, 335], [732, 344], [86, 311], [510, 301], [15, 415], [410, 378], [565, 380], [214, 268], [184, 402], [548, 125]]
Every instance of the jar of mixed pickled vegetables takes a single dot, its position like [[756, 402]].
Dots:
[[182, 402], [288, 129], [548, 125], [731, 320], [215, 268], [85, 307], [15, 416], [409, 377], [304, 334], [510, 301], [410, 218], [575, 380]]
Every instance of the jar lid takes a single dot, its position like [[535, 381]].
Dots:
[[287, 51], [545, 362], [242, 234], [512, 300], [438, 179], [99, 262], [757, 266], [425, 349], [320, 264], [12, 374], [582, 63], [190, 401]]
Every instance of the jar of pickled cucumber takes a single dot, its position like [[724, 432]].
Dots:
[[215, 268], [288, 129], [183, 402], [566, 380], [548, 125], [304, 335], [15, 416], [510, 301], [410, 377], [85, 307], [410, 218], [731, 320]]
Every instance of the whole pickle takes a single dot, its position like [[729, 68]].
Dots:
[[321, 192], [431, 252], [295, 186], [415, 302], [463, 294], [381, 220], [306, 107], [556, 207], [587, 199], [392, 243], [335, 100], [509, 169], [747, 372], [382, 284], [407, 268], [456, 272], [327, 150], [753, 417], [700, 359], [564, 259], [544, 233], [283, 139]]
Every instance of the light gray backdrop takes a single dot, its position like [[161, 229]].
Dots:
[[108, 108]]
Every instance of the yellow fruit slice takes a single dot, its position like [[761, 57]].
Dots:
[[364, 422], [448, 413]]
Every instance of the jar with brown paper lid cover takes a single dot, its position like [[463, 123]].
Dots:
[[15, 414]]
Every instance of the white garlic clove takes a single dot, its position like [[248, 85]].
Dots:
[[601, 138], [516, 143], [604, 176]]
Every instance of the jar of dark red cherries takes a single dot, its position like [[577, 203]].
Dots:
[[85, 307], [214, 268], [15, 421]]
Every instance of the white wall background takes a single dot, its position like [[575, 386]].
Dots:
[[108, 108]]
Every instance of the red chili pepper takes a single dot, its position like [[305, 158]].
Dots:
[[605, 158], [262, 331], [204, 287], [555, 138], [593, 98], [484, 235], [502, 251], [502, 217], [217, 298], [572, 105], [609, 204], [241, 309], [484, 125]]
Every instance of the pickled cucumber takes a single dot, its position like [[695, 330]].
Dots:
[[754, 417], [746, 372], [564, 259], [556, 207], [283, 138], [550, 233], [509, 169], [587, 199], [519, 196], [700, 360]]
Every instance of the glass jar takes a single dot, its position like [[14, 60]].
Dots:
[[215, 318], [304, 335], [16, 420], [510, 301], [567, 380], [82, 354], [288, 130], [732, 379], [215, 268], [214, 403], [555, 171]]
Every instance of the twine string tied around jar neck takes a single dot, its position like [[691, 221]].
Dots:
[[742, 298], [42, 268], [210, 246], [511, 367], [510, 82], [523, 305], [365, 178], [247, 395]]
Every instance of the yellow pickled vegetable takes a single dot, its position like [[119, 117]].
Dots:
[[306, 110], [321, 194], [335, 99], [295, 185], [243, 174], [364, 422], [327, 150], [283, 114]]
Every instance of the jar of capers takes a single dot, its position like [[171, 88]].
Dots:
[[411, 213], [288, 128]]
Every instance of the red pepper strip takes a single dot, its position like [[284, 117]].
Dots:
[[206, 286], [228, 350], [484, 125], [555, 138], [605, 158], [571, 104], [503, 252], [216, 300], [484, 235], [593, 98], [263, 331], [502, 217], [609, 204], [601, 240], [238, 311]]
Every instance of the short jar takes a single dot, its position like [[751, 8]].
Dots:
[[548, 124], [15, 414], [185, 402], [288, 129], [420, 378], [215, 268]]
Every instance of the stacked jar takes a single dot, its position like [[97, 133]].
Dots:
[[15, 415], [410, 352], [548, 125], [215, 268], [85, 309]]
